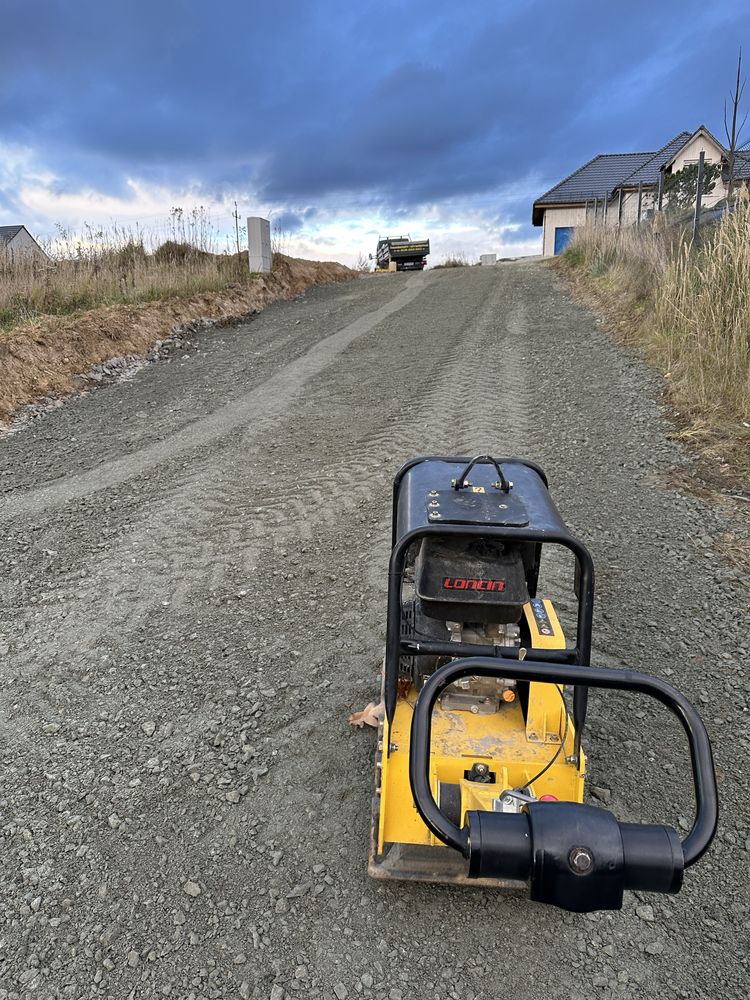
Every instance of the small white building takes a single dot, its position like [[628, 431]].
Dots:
[[17, 243], [620, 188]]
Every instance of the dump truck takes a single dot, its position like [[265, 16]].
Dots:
[[401, 253]]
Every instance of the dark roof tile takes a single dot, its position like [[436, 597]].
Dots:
[[606, 173], [7, 233], [648, 173], [594, 179], [742, 166]]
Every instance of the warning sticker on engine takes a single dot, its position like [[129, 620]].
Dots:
[[541, 617]]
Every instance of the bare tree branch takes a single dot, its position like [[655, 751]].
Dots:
[[734, 134]]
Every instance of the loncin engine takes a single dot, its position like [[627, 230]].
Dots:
[[468, 590]]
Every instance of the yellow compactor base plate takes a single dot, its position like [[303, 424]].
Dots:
[[515, 746]]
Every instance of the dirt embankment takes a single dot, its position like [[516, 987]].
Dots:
[[51, 356]]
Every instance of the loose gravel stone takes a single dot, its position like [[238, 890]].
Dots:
[[654, 948], [646, 912]]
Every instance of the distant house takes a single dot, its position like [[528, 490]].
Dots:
[[610, 187], [16, 242]]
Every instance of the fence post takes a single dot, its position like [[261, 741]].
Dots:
[[698, 197], [661, 188], [640, 200], [619, 210], [606, 206]]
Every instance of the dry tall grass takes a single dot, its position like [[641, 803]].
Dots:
[[687, 306], [702, 320], [30, 289], [110, 265]]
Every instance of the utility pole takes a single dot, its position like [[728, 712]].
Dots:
[[236, 217]]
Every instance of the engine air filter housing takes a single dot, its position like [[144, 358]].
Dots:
[[470, 579]]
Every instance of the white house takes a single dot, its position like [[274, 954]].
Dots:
[[16, 242], [610, 187]]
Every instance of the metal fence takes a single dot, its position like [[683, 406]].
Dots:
[[601, 209]]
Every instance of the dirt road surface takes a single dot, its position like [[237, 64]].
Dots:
[[192, 583]]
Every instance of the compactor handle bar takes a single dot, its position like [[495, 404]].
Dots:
[[551, 842]]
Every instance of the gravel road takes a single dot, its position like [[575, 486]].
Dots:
[[192, 583]]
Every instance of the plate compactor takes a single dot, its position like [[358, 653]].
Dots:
[[480, 771]]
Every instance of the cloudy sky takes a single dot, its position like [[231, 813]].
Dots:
[[342, 119]]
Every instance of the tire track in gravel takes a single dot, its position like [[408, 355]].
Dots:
[[488, 348], [460, 408], [476, 398], [266, 403], [158, 560]]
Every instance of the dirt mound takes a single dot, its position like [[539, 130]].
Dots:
[[48, 357]]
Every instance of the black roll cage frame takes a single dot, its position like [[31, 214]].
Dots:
[[695, 843], [396, 647]]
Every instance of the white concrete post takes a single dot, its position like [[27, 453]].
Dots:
[[259, 243], [488, 258]]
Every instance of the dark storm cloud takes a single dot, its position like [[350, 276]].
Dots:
[[288, 222], [387, 104]]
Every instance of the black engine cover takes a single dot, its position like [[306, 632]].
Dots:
[[470, 580]]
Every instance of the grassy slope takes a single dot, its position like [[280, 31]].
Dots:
[[30, 289], [689, 311], [47, 354]]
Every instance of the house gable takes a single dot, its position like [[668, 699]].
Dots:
[[701, 141], [17, 240], [9, 233]]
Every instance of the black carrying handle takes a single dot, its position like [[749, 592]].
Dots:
[[550, 841], [502, 482]]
